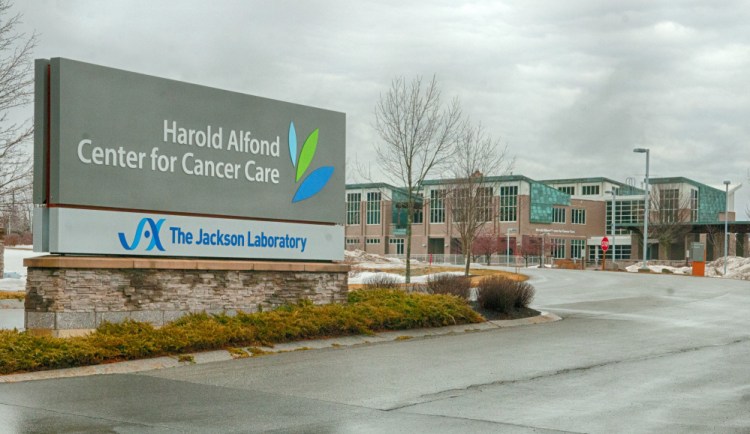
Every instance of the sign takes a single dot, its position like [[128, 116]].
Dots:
[[107, 139], [146, 234], [605, 244]]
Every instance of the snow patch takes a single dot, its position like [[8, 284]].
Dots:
[[14, 278], [363, 276], [737, 268]]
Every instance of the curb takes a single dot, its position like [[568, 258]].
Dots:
[[163, 362]]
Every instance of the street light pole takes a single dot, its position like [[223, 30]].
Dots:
[[645, 213], [614, 225], [726, 226], [507, 244]]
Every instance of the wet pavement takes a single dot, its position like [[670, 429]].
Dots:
[[634, 353]]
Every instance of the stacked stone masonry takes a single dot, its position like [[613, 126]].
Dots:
[[82, 298]]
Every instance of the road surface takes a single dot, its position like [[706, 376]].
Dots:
[[634, 353]]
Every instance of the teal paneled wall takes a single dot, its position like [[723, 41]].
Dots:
[[543, 197], [711, 202]]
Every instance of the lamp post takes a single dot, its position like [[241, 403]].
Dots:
[[645, 213], [726, 226], [614, 225], [507, 245]]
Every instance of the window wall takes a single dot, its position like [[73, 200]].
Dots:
[[590, 190], [373, 208], [508, 203], [353, 203], [578, 216], [558, 215], [437, 206], [576, 247], [558, 248]]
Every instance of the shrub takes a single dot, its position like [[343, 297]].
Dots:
[[381, 281], [368, 311], [450, 284], [503, 295]]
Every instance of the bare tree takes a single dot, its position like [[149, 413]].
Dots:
[[16, 90], [418, 135], [477, 158], [668, 222]]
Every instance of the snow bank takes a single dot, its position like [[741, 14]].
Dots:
[[361, 259], [737, 268], [659, 269], [14, 278], [362, 277]]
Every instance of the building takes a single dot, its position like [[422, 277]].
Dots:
[[558, 218]]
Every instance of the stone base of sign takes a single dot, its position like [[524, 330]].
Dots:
[[72, 295]]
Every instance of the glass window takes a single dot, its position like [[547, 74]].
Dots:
[[484, 195], [578, 216], [352, 241], [508, 204], [396, 245], [373, 241], [418, 216], [437, 206], [571, 190], [460, 199], [627, 212], [558, 215], [576, 247], [590, 190], [477, 206], [558, 248], [353, 202], [693, 205], [373, 208], [669, 205]]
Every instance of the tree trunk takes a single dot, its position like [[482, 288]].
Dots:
[[467, 256]]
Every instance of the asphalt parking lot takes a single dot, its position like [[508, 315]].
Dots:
[[633, 353]]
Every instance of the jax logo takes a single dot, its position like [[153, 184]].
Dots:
[[152, 232], [319, 177]]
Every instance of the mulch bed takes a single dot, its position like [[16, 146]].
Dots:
[[493, 315]]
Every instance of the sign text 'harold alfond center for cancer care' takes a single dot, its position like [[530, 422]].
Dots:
[[209, 137]]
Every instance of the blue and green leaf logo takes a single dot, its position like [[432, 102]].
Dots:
[[319, 177]]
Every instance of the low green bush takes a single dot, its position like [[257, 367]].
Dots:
[[450, 284], [366, 312], [504, 295]]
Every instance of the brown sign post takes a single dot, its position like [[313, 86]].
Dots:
[[605, 247]]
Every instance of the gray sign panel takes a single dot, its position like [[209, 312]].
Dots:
[[146, 234], [127, 141]]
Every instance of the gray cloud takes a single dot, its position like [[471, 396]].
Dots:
[[571, 86]]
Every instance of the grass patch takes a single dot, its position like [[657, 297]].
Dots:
[[12, 295], [365, 313]]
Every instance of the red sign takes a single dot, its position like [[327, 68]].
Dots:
[[605, 244]]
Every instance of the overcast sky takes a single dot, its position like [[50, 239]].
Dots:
[[571, 86]]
